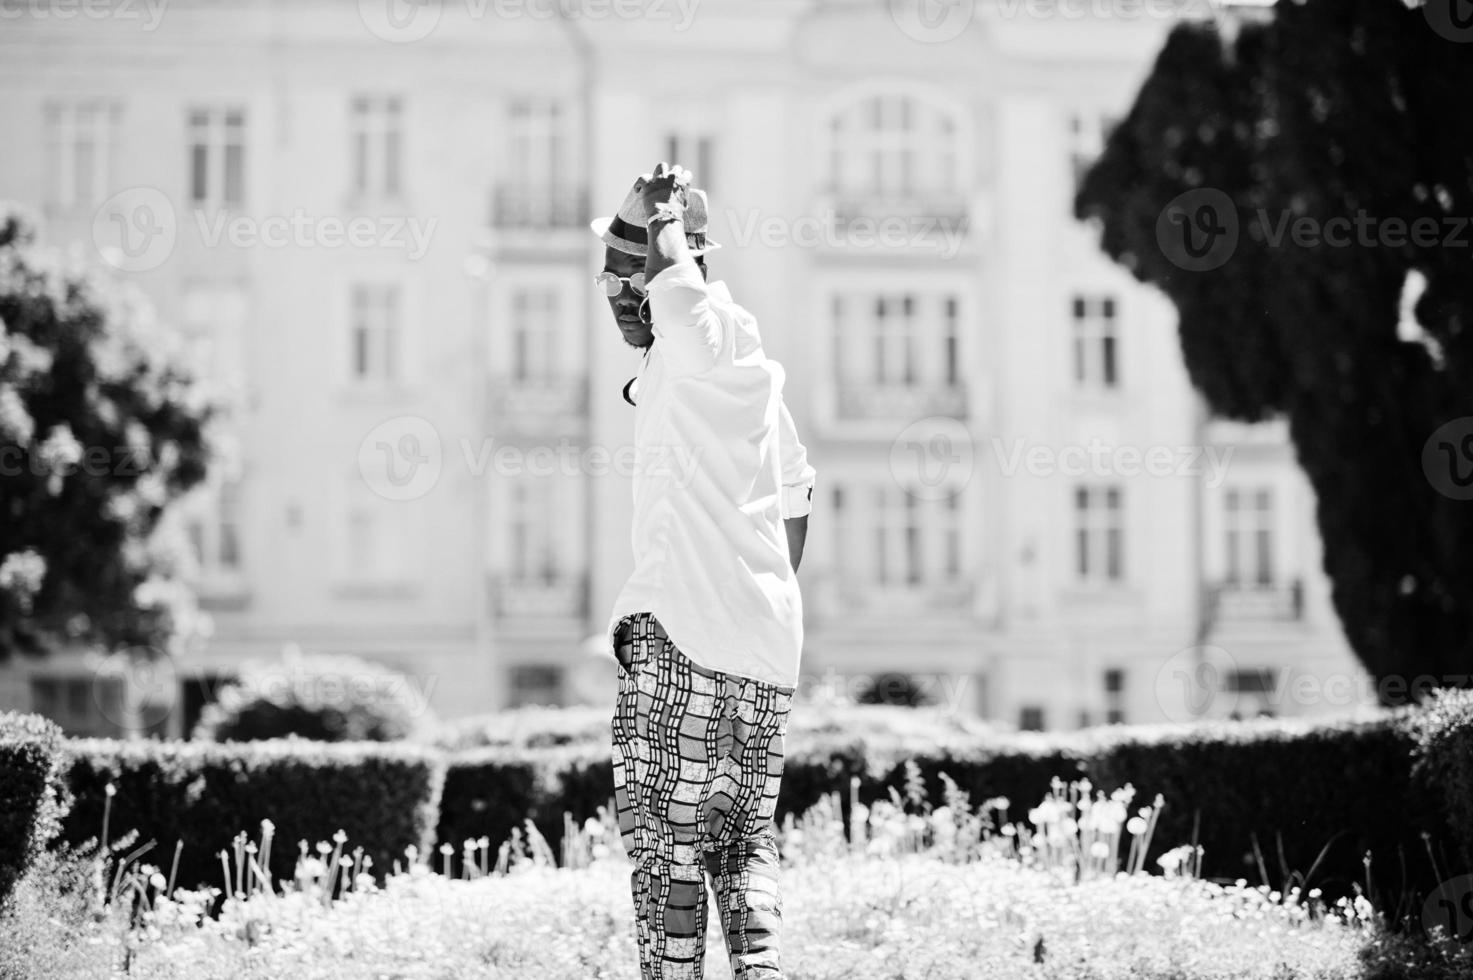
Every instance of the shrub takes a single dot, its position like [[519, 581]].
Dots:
[[33, 797], [385, 797], [1443, 730], [1287, 800], [325, 697]]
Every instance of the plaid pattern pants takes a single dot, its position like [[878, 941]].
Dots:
[[698, 758]]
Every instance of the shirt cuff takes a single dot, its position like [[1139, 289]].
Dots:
[[797, 501]]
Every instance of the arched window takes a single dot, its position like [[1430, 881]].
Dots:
[[895, 145]]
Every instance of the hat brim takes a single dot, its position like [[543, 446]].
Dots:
[[600, 227]]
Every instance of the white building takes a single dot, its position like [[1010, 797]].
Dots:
[[378, 226]]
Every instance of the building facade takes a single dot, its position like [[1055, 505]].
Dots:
[[371, 221]]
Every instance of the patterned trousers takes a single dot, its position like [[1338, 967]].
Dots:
[[698, 758]]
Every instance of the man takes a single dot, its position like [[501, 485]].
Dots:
[[709, 627]]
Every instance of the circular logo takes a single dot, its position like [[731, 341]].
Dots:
[[1451, 19], [136, 688], [1450, 907], [400, 21], [401, 459], [135, 230], [1192, 684], [1198, 230], [932, 458], [932, 21], [1447, 459]]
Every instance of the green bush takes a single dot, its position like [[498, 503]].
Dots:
[[1443, 730], [384, 797], [325, 697], [1291, 799], [33, 797]]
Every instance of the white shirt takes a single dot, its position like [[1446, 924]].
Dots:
[[719, 466]]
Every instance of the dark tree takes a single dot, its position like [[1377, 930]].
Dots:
[[99, 432], [1223, 186]]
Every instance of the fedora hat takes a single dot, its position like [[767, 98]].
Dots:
[[627, 230]]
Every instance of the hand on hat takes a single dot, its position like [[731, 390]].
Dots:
[[667, 185]]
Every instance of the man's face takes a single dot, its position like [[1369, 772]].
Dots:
[[625, 305]]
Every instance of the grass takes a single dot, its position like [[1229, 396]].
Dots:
[[912, 891]]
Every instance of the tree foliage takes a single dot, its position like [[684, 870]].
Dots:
[[100, 430], [1353, 110]]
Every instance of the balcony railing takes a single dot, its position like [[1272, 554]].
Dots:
[[877, 401], [1229, 603], [537, 208], [559, 598], [948, 210], [540, 404]]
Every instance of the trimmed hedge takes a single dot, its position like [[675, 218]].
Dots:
[[384, 796], [1444, 758], [1300, 797], [1312, 798], [33, 796]]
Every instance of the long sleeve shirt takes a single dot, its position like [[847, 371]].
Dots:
[[719, 466]]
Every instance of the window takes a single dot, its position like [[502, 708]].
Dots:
[[1088, 131], [215, 318], [374, 329], [1095, 341], [1114, 696], [214, 528], [81, 137], [536, 350], [894, 146], [1099, 533], [896, 339], [533, 684], [377, 146], [533, 549], [1248, 520], [217, 157], [693, 152], [81, 705], [888, 538], [1031, 718], [375, 549], [540, 188]]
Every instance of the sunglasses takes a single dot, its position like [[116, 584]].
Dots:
[[613, 285]]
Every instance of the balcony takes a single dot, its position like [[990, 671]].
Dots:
[[875, 402], [922, 221], [1229, 604], [558, 598], [518, 208], [541, 406]]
